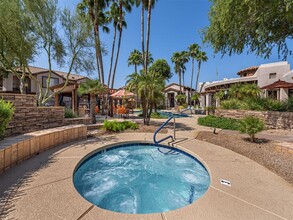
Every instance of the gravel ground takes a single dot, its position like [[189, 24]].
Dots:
[[263, 152]]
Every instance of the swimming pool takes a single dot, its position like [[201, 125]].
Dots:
[[141, 178], [176, 115]]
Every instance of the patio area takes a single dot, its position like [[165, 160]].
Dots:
[[42, 187]]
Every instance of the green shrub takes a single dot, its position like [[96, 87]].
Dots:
[[251, 125], [119, 126], [6, 113], [219, 122], [231, 104], [69, 113], [181, 99]]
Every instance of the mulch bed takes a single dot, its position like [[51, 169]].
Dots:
[[263, 152]]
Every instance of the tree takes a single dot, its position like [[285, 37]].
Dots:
[[257, 25], [18, 43], [94, 10], [180, 59], [73, 50], [113, 16], [135, 59], [161, 68], [251, 125], [148, 88], [242, 91], [93, 88], [201, 57], [193, 50], [123, 5]]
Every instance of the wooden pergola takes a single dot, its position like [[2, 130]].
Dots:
[[70, 89]]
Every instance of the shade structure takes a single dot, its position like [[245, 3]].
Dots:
[[279, 84], [122, 94]]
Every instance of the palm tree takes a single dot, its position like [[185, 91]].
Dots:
[[135, 59], [113, 16], [94, 9], [148, 88], [93, 88], [176, 60], [151, 4], [184, 58], [123, 4], [201, 57], [193, 51]]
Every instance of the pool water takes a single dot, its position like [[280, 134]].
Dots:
[[141, 178], [168, 114]]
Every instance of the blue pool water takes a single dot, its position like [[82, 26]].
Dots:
[[168, 114], [141, 178]]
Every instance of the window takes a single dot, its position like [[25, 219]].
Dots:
[[290, 93], [273, 75], [53, 81], [1, 83], [15, 84], [273, 94]]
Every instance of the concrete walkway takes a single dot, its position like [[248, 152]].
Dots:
[[42, 187]]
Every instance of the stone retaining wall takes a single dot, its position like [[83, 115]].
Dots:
[[13, 150], [274, 120], [28, 117]]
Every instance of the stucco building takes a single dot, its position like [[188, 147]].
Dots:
[[274, 79], [11, 83], [172, 90]]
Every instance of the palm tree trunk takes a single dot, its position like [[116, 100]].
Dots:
[[93, 108], [117, 57], [179, 75], [192, 73], [148, 35], [112, 55], [135, 68], [142, 33], [197, 77]]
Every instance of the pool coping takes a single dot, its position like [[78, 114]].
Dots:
[[244, 200], [179, 148]]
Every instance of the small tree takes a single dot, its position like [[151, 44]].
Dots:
[[251, 125], [181, 99], [93, 88], [6, 113]]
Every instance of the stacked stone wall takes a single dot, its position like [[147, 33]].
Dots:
[[273, 120]]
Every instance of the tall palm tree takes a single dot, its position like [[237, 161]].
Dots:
[[201, 57], [135, 58], [184, 58], [176, 60], [193, 50], [149, 88], [113, 16], [123, 5], [94, 9], [93, 88]]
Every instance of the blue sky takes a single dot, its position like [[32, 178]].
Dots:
[[175, 25]]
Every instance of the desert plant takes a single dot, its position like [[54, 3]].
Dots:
[[6, 113], [119, 126], [231, 104], [251, 125], [68, 113]]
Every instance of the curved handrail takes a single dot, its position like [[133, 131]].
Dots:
[[160, 128]]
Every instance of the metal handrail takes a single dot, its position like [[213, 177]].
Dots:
[[160, 128]]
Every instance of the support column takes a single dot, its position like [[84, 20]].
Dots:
[[56, 99], [208, 100]]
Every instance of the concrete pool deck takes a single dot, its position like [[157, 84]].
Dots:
[[42, 187]]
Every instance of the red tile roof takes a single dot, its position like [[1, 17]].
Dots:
[[279, 84], [252, 68]]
